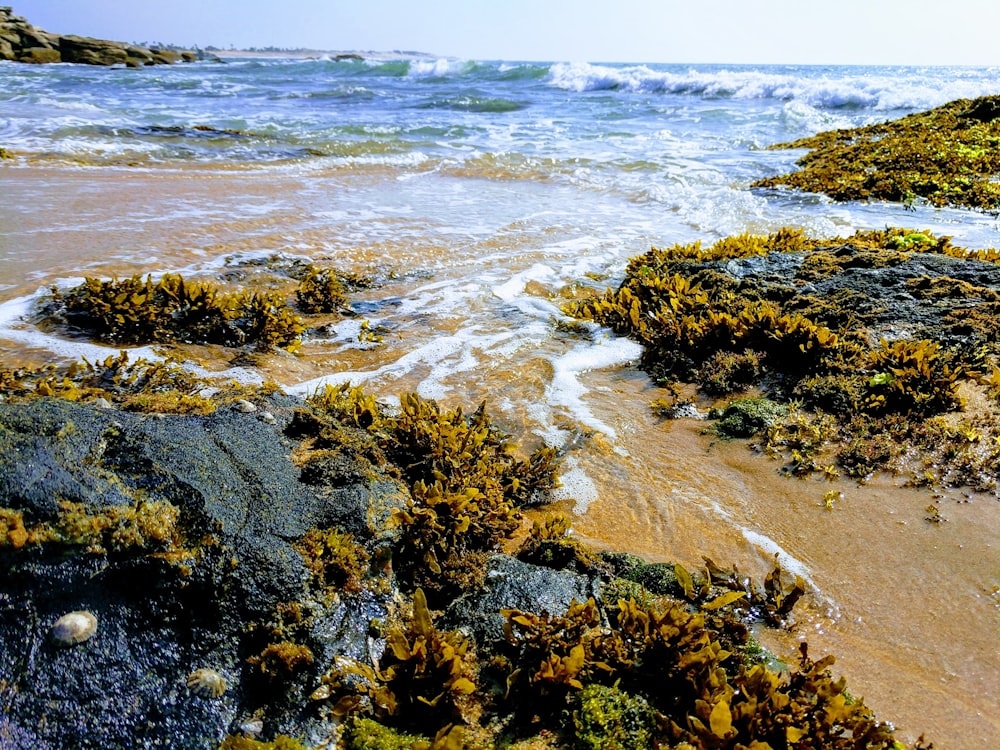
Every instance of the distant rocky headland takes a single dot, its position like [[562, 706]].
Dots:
[[22, 42]]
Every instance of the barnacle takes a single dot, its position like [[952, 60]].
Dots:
[[74, 627], [206, 683]]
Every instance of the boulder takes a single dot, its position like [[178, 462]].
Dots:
[[78, 49], [22, 42], [39, 55], [198, 574], [165, 56]]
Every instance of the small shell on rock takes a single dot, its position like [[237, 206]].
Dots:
[[252, 728], [73, 628], [207, 683], [245, 406], [268, 418]]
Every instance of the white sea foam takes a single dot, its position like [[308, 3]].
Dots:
[[513, 288], [14, 314], [879, 90], [440, 67], [567, 391], [575, 485]]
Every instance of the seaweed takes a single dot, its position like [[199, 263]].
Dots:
[[137, 311], [426, 679], [466, 485], [321, 290], [946, 156], [667, 659], [281, 742], [334, 559], [146, 526], [548, 544], [799, 321]]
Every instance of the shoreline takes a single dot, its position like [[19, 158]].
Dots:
[[312, 54]]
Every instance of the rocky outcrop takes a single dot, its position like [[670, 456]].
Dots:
[[22, 42], [157, 583], [199, 571]]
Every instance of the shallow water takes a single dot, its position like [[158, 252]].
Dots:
[[479, 218]]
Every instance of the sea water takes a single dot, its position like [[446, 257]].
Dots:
[[482, 196]]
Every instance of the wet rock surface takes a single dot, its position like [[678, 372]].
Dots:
[[894, 294], [514, 584], [22, 42], [217, 593], [212, 623]]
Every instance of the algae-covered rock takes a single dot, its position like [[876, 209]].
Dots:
[[513, 584], [883, 331], [947, 156], [746, 417], [607, 718], [176, 534]]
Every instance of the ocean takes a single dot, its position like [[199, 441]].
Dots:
[[481, 196]]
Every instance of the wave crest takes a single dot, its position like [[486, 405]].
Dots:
[[816, 87]]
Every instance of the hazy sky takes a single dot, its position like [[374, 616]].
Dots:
[[725, 31]]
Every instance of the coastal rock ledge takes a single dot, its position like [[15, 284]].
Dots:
[[22, 42]]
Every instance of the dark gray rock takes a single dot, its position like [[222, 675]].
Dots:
[[886, 296], [242, 506], [513, 584]]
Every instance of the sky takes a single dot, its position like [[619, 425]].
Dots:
[[862, 32]]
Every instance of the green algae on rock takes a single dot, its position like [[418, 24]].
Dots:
[[947, 156]]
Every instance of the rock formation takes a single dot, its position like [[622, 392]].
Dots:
[[22, 42]]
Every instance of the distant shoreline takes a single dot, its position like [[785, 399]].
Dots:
[[314, 54]]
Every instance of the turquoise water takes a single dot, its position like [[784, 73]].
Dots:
[[683, 139]]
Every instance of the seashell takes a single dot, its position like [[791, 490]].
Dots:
[[268, 418], [74, 627], [252, 728], [245, 406], [206, 683]]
